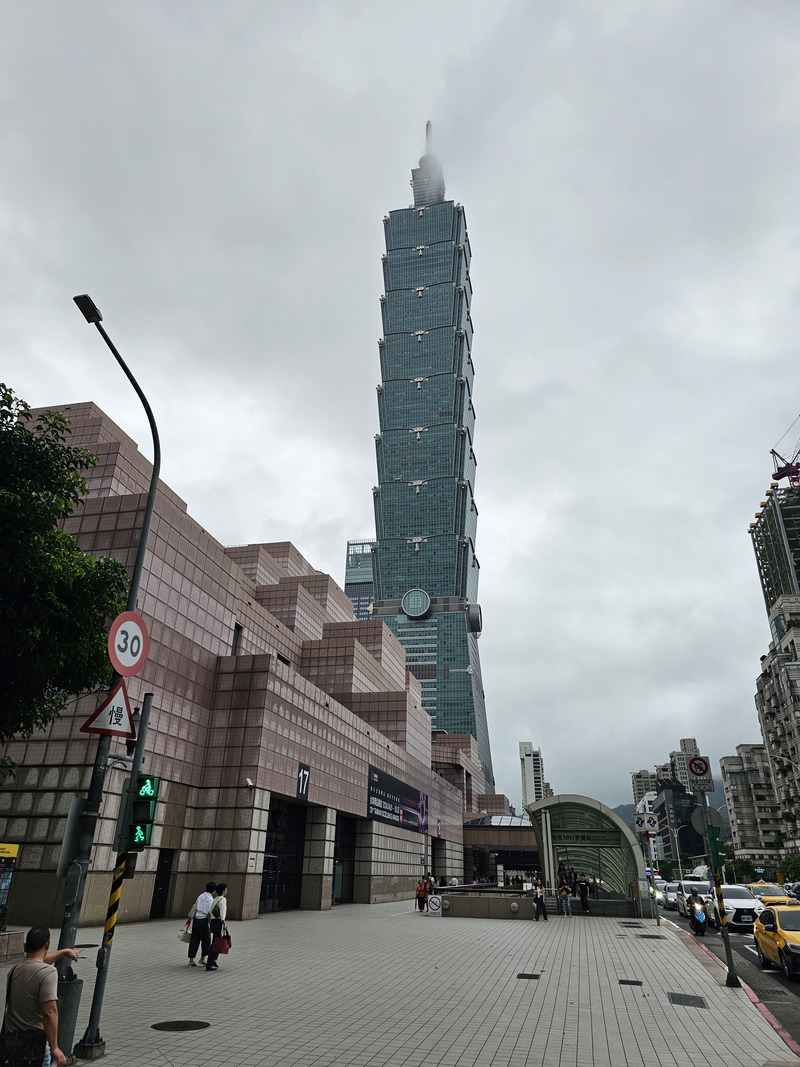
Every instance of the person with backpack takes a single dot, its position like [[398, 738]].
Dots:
[[216, 922]]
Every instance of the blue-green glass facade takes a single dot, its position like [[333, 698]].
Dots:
[[425, 513]]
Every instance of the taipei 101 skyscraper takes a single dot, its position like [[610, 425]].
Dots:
[[424, 562]]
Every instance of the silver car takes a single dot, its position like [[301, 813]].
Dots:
[[669, 896]]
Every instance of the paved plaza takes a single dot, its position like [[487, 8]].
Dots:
[[381, 986]]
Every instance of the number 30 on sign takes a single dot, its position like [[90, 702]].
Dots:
[[127, 643]]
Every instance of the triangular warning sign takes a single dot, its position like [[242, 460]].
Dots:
[[113, 716]]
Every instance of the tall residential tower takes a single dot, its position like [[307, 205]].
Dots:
[[425, 567]]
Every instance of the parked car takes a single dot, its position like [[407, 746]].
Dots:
[[769, 893], [669, 896], [777, 937], [684, 891], [742, 908]]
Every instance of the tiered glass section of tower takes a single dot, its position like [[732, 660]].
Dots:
[[426, 571]]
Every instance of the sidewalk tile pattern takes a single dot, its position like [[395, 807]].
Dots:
[[384, 986]]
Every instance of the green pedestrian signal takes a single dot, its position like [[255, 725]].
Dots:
[[143, 812]]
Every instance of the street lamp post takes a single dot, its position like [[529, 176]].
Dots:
[[676, 835], [76, 877]]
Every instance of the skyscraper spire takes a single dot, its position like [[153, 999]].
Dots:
[[425, 568], [428, 180]]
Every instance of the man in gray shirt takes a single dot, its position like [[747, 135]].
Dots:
[[32, 1011]]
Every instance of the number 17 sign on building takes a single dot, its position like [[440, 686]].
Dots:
[[127, 650]]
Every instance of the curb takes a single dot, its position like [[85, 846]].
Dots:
[[752, 996]]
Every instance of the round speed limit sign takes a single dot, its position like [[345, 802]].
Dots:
[[127, 643]]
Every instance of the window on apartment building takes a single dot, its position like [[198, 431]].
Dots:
[[237, 637]]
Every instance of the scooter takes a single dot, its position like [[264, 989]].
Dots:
[[698, 918]]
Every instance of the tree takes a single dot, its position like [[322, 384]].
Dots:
[[740, 870], [789, 868], [54, 598]]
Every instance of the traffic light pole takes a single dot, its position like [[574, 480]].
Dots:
[[91, 1046], [69, 989], [731, 979]]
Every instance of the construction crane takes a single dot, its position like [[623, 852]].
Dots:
[[787, 468]]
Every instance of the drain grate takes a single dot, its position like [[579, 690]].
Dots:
[[652, 937], [774, 993], [629, 981], [686, 1000], [522, 975], [86, 946], [180, 1024], [632, 924]]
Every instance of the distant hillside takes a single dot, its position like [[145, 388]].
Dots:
[[626, 813]]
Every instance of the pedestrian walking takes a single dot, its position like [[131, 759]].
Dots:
[[30, 1023], [539, 901], [564, 897], [421, 894], [216, 922], [583, 890], [201, 932]]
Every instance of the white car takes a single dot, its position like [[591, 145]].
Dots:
[[742, 908], [684, 891]]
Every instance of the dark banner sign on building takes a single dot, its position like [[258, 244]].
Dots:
[[390, 800]]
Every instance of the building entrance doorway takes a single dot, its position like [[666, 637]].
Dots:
[[158, 904], [344, 859], [283, 857]]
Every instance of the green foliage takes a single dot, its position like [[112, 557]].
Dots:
[[54, 599], [740, 871], [666, 868], [789, 868]]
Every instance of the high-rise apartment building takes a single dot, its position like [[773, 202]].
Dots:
[[643, 782], [752, 804], [679, 763], [531, 767], [424, 563], [776, 541], [358, 583]]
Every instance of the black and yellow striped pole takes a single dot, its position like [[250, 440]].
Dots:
[[91, 1046], [113, 900], [731, 979]]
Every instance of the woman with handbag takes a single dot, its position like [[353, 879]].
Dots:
[[216, 917]]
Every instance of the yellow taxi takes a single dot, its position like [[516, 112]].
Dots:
[[769, 893], [776, 932]]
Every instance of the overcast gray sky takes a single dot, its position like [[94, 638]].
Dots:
[[215, 176]]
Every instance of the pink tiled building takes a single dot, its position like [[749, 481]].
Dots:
[[258, 669]]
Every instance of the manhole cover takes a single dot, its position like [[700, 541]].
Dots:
[[527, 976], [180, 1024], [629, 981], [651, 937], [686, 1000]]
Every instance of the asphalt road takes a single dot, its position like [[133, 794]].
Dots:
[[780, 995]]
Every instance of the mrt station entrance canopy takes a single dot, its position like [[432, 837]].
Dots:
[[583, 833]]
